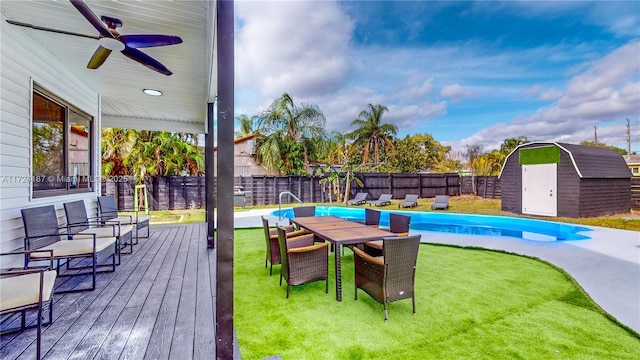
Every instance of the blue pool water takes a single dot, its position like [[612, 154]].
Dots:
[[528, 229]]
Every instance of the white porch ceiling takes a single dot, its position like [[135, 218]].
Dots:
[[119, 80]]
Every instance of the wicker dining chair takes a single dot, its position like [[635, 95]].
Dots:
[[271, 237], [398, 224], [371, 217], [302, 265], [304, 211], [390, 277]]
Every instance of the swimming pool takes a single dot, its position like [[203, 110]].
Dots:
[[528, 229]]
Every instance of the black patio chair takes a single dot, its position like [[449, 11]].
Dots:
[[80, 225], [42, 232], [108, 211], [390, 277], [28, 289]]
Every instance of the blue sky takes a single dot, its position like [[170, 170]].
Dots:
[[465, 72]]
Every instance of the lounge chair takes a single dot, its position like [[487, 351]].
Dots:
[[441, 202], [360, 199], [42, 232], [108, 212], [28, 289], [410, 200], [392, 276], [302, 264], [384, 199], [80, 225]]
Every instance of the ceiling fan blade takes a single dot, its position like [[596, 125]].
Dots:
[[145, 60], [143, 41], [92, 18], [51, 30], [98, 57]]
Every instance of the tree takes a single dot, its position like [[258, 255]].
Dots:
[[420, 152], [290, 135], [116, 146], [247, 125], [371, 134], [340, 151], [472, 153], [141, 153], [508, 145]]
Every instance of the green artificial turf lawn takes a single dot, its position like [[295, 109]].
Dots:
[[471, 304]]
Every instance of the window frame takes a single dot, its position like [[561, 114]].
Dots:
[[68, 107]]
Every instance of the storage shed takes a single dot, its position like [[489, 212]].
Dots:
[[566, 180]]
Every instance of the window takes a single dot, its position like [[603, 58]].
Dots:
[[61, 146], [634, 170]]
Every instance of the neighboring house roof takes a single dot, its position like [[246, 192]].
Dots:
[[632, 159], [240, 140], [590, 161]]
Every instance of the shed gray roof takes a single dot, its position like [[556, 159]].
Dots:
[[590, 161]]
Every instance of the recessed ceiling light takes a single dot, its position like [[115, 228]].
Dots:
[[152, 92]]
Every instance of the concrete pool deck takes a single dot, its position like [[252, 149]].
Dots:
[[607, 266]]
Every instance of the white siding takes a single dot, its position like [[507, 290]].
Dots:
[[22, 61]]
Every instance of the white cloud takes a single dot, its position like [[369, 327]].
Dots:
[[550, 94], [533, 91], [295, 47], [456, 92], [609, 90]]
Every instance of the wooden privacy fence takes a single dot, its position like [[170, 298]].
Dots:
[[188, 192]]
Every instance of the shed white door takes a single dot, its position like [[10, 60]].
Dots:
[[539, 188]]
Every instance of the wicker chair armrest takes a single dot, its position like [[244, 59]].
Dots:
[[297, 233], [403, 234], [310, 248], [378, 261], [300, 241]]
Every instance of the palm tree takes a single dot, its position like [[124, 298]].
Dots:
[[141, 153], [290, 132], [117, 145], [371, 134], [247, 125]]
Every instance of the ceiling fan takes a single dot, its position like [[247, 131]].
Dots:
[[111, 40]]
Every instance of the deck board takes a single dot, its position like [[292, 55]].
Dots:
[[158, 304]]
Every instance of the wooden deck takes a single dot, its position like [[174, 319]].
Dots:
[[158, 304]]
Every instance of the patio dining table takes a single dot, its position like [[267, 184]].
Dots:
[[340, 232]]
